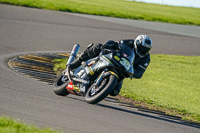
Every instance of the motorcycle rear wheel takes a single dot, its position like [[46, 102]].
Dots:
[[95, 95], [60, 86]]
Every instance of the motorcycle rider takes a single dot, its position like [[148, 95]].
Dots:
[[141, 46]]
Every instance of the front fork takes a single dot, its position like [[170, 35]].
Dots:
[[104, 74]]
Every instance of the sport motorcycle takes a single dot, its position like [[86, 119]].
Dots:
[[96, 78]]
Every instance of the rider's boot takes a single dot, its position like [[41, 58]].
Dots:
[[91, 52], [117, 89], [76, 63]]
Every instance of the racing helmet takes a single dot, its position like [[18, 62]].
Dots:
[[143, 45]]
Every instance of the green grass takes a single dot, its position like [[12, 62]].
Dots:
[[8, 125], [59, 65], [118, 8], [170, 82]]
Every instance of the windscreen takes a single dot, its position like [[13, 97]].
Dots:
[[128, 53]]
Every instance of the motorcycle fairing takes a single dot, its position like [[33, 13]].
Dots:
[[70, 86], [73, 88], [94, 70], [124, 60]]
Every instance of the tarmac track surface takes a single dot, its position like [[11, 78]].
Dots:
[[26, 30]]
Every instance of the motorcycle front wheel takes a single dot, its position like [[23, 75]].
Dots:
[[60, 85], [97, 93]]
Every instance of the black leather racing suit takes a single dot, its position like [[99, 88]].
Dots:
[[140, 64]]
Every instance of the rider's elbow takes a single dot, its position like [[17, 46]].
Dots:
[[138, 75]]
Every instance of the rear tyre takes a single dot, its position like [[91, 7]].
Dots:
[[60, 85], [97, 93]]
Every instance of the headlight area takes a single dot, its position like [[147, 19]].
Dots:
[[124, 62]]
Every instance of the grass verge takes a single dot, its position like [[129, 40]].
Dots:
[[171, 84], [8, 125], [118, 8]]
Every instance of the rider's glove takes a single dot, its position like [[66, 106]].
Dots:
[[110, 44]]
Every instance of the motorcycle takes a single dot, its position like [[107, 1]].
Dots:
[[96, 78]]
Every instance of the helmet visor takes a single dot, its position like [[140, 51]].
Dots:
[[143, 50]]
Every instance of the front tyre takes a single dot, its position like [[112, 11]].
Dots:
[[60, 85], [97, 93]]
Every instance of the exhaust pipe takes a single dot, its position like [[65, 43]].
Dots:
[[73, 53]]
